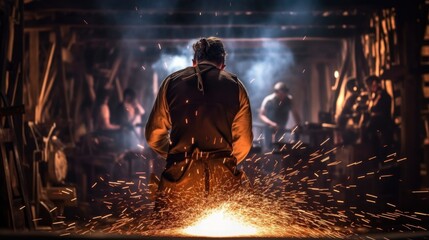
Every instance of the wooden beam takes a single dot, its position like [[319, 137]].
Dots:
[[33, 66], [62, 74], [187, 33], [185, 20], [205, 6]]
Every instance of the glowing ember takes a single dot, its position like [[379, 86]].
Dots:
[[221, 222]]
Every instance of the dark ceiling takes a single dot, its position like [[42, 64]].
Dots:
[[142, 20], [243, 24]]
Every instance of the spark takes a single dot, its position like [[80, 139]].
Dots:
[[106, 216], [370, 195], [420, 213], [335, 148], [421, 191], [325, 141]]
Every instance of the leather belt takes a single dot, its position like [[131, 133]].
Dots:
[[177, 157]]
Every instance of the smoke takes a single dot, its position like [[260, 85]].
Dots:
[[173, 60], [261, 67]]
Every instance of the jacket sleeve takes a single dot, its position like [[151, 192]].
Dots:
[[159, 123], [242, 136]]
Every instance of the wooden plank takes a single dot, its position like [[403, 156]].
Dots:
[[40, 103], [33, 66]]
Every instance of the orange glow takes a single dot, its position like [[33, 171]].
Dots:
[[221, 222]]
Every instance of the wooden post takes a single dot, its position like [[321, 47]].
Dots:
[[62, 75], [34, 73], [409, 39]]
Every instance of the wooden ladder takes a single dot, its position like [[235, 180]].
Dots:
[[18, 212]]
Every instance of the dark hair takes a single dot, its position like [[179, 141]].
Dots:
[[130, 93], [351, 84], [210, 49], [371, 79], [281, 86]]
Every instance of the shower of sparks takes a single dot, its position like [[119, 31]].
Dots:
[[295, 192]]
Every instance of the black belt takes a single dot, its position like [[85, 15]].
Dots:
[[175, 157]]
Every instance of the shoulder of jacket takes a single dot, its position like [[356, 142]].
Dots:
[[180, 73], [229, 75]]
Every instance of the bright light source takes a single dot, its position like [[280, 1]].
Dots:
[[336, 74], [221, 222]]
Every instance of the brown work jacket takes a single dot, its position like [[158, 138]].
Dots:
[[184, 118]]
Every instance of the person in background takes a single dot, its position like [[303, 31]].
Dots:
[[102, 116], [274, 113], [378, 125], [130, 114], [349, 117], [130, 110], [201, 123], [107, 133]]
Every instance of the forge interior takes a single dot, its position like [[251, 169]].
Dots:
[[60, 177]]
